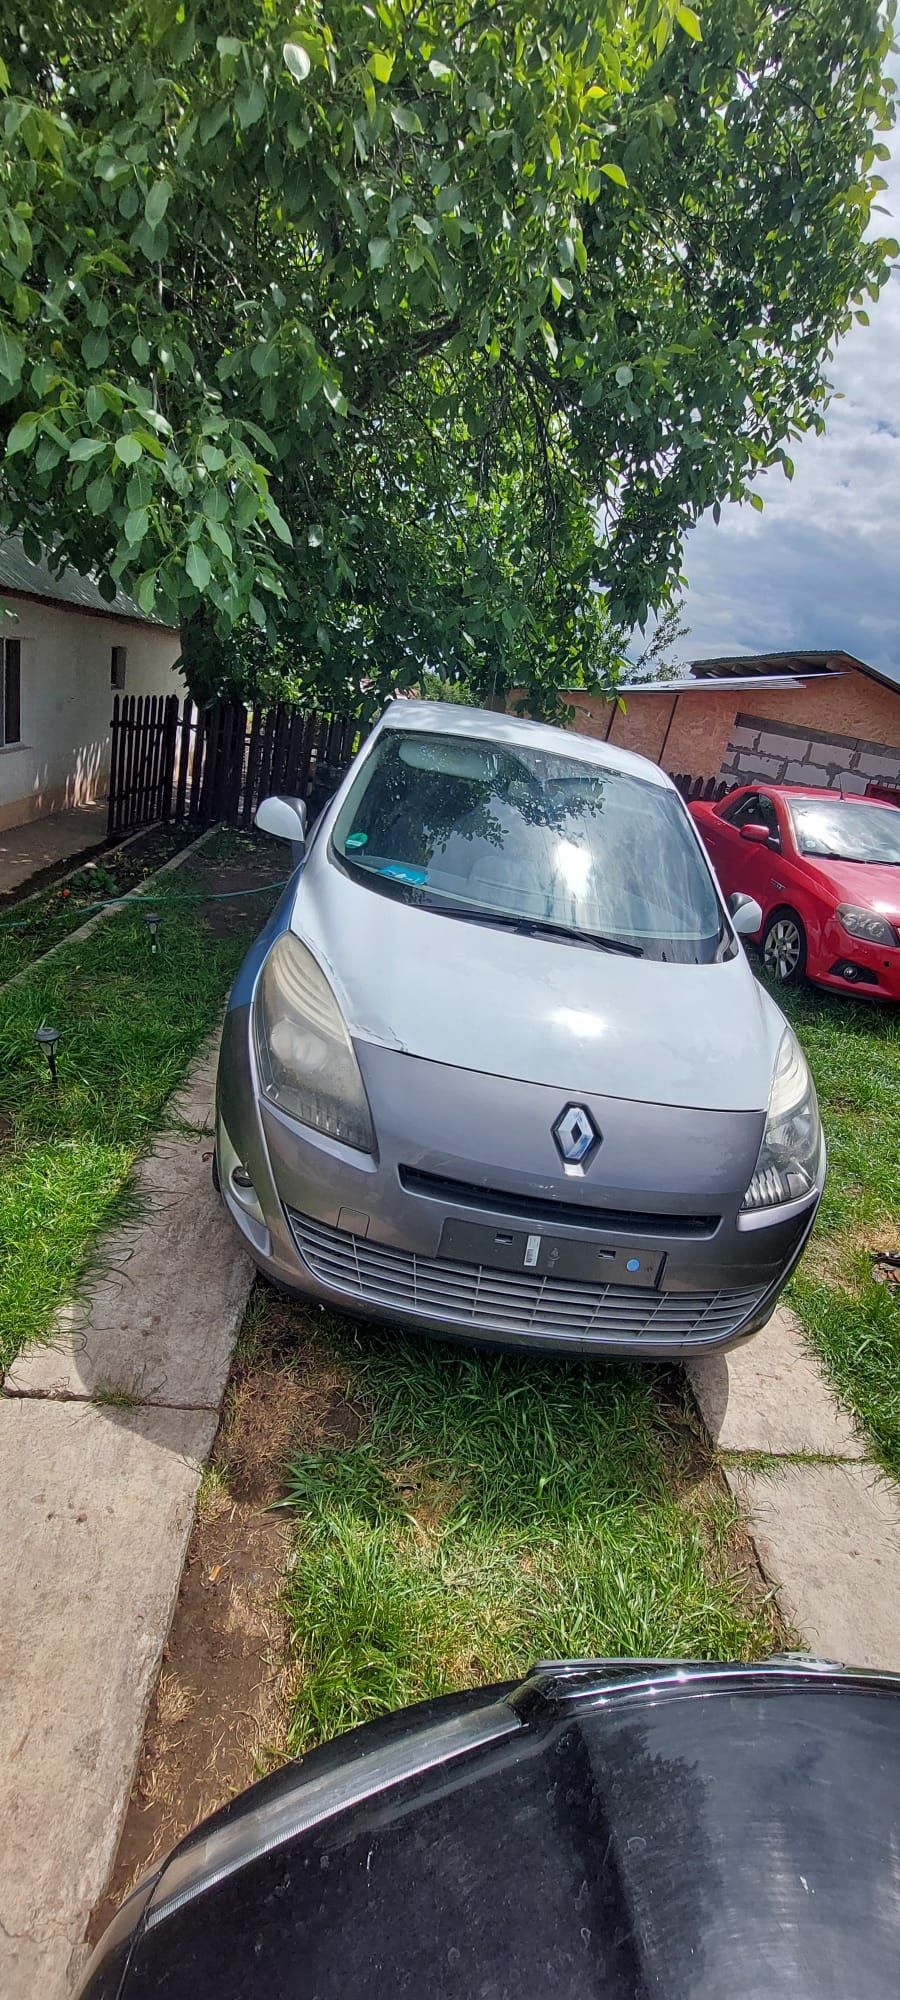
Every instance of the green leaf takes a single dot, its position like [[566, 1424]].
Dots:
[[128, 449], [157, 202], [379, 252], [136, 525], [95, 348], [84, 448], [687, 20], [438, 68], [274, 514], [140, 349], [146, 591], [297, 61], [22, 435], [99, 494], [756, 500], [624, 375], [12, 356], [614, 173], [263, 358], [197, 567], [222, 539], [405, 118], [381, 65], [213, 457], [31, 545], [250, 103]]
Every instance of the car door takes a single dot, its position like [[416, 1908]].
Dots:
[[743, 866]]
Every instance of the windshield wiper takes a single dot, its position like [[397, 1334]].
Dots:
[[533, 927]]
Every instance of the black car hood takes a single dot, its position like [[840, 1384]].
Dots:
[[665, 1832]]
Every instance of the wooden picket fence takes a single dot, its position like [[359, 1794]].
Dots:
[[700, 788], [175, 761]]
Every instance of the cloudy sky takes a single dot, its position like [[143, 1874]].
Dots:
[[821, 565]]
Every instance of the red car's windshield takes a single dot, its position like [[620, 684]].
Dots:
[[846, 830]]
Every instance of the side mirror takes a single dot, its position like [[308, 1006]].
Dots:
[[746, 915], [286, 819], [754, 830]]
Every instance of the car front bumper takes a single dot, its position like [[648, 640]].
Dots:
[[467, 1224], [850, 965]]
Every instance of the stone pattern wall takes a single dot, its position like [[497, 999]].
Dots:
[[787, 753]]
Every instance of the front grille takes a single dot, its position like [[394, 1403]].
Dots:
[[478, 1295], [500, 1201]]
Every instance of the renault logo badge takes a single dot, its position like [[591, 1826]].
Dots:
[[576, 1136]]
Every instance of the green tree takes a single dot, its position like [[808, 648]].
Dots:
[[658, 660], [414, 337]]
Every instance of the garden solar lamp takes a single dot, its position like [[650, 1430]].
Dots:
[[153, 920], [47, 1039]]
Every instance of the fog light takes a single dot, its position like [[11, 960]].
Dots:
[[240, 1177]]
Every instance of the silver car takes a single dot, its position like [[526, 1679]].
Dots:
[[498, 1067]]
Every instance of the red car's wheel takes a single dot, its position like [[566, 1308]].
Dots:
[[784, 947]]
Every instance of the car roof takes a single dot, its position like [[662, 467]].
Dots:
[[494, 726], [788, 792]]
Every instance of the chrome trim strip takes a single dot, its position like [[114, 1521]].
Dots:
[[252, 1834]]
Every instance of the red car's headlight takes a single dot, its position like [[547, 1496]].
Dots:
[[866, 924]]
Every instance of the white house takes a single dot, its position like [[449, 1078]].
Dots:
[[64, 653]]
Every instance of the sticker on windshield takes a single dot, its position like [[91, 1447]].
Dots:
[[356, 840], [397, 872]]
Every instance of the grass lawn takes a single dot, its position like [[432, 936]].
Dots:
[[30, 925], [460, 1514], [853, 1322], [130, 1021]]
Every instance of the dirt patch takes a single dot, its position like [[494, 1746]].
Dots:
[[218, 1719], [844, 1258], [689, 1458], [226, 884]]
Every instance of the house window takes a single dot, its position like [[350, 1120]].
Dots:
[[10, 691], [118, 659]]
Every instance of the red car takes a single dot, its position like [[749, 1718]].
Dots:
[[825, 871]]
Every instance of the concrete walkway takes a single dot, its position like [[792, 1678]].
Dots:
[[102, 1437], [825, 1520], [28, 850]]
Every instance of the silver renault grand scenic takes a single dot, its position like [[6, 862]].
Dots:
[[498, 1066]]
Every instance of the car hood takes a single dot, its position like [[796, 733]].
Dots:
[[870, 885], [606, 1828], [570, 1016]]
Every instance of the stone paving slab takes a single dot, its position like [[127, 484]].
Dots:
[[828, 1537], [27, 850], [195, 1103], [102, 1503], [769, 1396], [160, 1323]]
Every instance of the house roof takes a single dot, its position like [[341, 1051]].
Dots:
[[794, 665], [22, 578], [692, 684]]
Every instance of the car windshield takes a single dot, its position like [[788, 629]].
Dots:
[[497, 832], [846, 829]]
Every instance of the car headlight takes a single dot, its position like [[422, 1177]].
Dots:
[[306, 1061], [866, 924], [789, 1154]]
